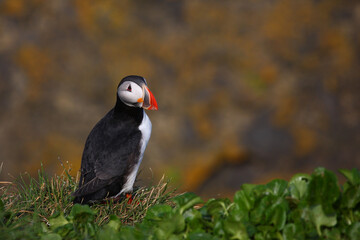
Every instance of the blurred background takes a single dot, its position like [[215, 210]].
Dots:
[[248, 91]]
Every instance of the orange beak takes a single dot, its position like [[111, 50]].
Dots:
[[149, 102]]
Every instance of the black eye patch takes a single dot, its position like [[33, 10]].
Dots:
[[129, 88]]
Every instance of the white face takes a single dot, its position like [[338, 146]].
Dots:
[[131, 94]]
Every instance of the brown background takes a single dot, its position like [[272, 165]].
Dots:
[[248, 91]]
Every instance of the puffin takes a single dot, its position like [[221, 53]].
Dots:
[[115, 146]]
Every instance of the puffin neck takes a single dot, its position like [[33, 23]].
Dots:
[[123, 111]]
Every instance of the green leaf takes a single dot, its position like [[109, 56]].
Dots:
[[218, 227], [164, 221], [218, 207], [157, 212], [248, 188], [238, 214], [82, 213], [319, 218], [178, 222], [174, 237], [332, 234], [293, 231], [266, 233], [277, 215], [162, 233], [298, 185], [186, 201], [354, 231], [114, 223], [193, 219], [353, 175], [58, 221], [111, 229], [108, 234], [201, 236], [65, 230], [323, 190], [244, 200], [51, 236], [258, 190], [129, 233], [166, 228], [351, 197], [78, 209], [257, 216], [235, 230], [277, 187]]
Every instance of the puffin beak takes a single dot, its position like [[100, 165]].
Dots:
[[149, 101]]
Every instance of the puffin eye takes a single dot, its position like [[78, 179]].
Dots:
[[129, 88]]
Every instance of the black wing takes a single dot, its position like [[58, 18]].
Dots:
[[111, 148]]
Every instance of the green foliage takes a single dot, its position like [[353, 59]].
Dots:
[[42, 208], [307, 207]]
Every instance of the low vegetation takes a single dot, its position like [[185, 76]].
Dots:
[[28, 205], [312, 206]]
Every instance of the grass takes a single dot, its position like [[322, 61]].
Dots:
[[312, 206], [44, 197]]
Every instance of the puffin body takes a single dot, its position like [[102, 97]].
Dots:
[[115, 147]]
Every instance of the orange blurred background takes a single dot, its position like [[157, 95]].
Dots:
[[248, 91]]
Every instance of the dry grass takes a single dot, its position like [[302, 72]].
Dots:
[[44, 197]]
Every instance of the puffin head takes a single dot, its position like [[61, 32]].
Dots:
[[133, 92]]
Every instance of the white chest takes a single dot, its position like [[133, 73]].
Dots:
[[145, 128]]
